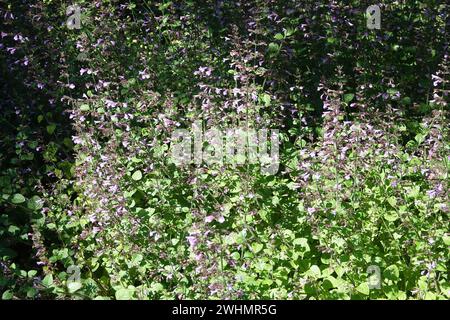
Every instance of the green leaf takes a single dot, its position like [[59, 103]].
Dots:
[[266, 99], [264, 215], [414, 192], [419, 138], [279, 36], [48, 280], [257, 247], [348, 97], [31, 292], [303, 243], [137, 258], [391, 216], [273, 48], [240, 158], [31, 273], [392, 201], [363, 288], [332, 282], [392, 91], [74, 286], [7, 295], [18, 198], [289, 32], [51, 128], [405, 101], [156, 287], [124, 294], [430, 296], [13, 229], [331, 40], [84, 107], [275, 200], [315, 271], [137, 175], [35, 203], [446, 240], [391, 273]]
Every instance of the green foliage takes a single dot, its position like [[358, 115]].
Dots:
[[92, 207]]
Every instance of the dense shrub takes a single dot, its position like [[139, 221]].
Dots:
[[92, 206]]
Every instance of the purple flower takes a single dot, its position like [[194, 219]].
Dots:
[[203, 71], [144, 75], [77, 140], [18, 37], [192, 241], [83, 71], [110, 103]]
